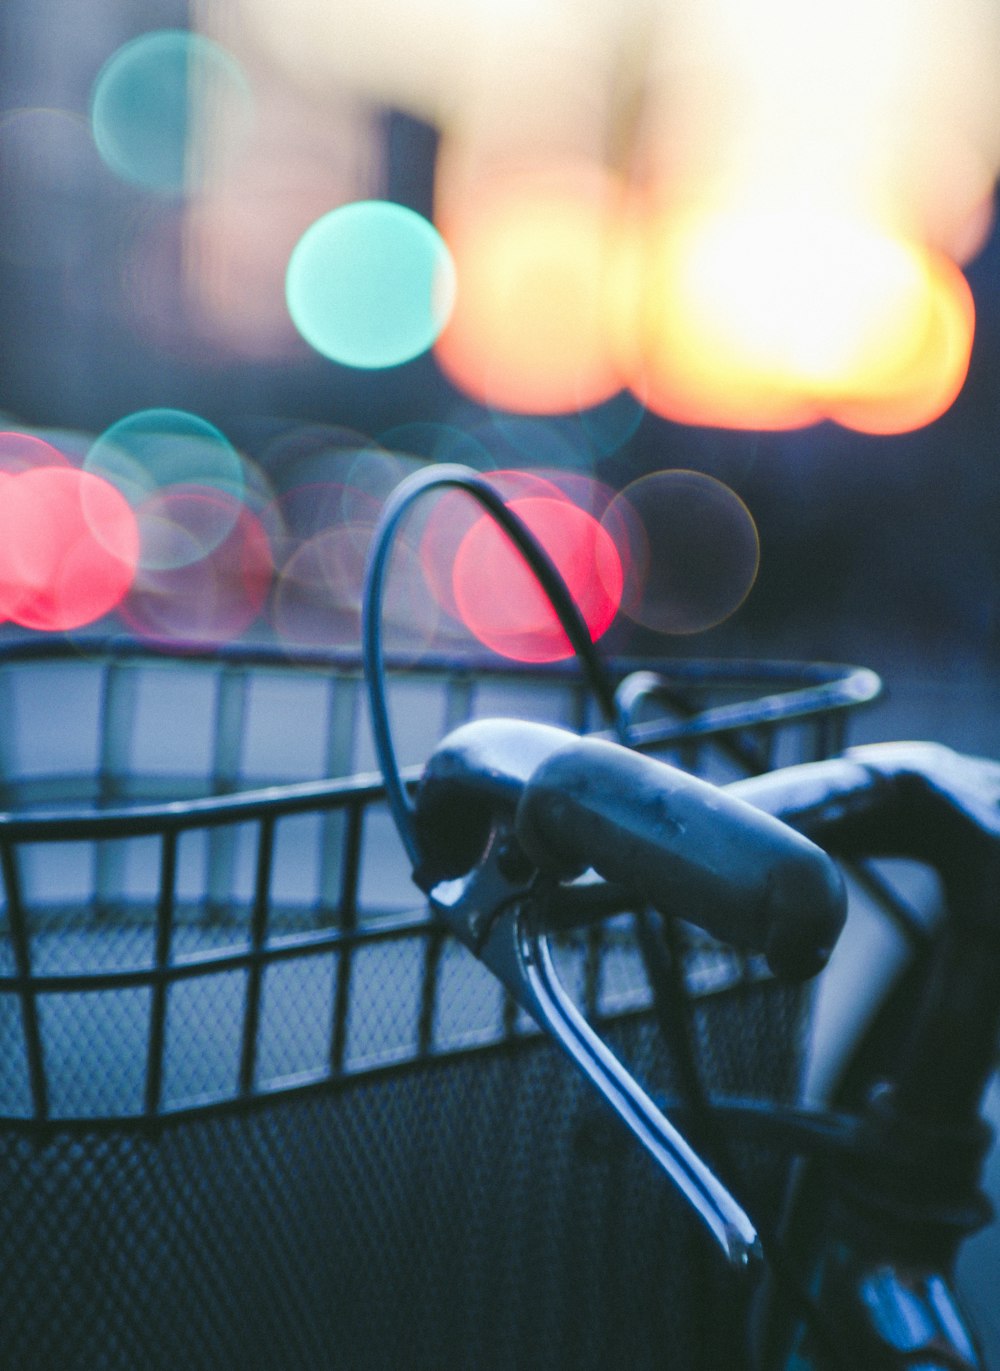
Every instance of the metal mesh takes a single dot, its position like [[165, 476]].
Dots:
[[256, 1111], [480, 1211]]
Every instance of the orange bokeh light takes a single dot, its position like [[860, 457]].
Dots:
[[534, 259], [935, 370], [672, 334], [737, 314]]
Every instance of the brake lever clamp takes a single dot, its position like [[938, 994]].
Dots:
[[472, 904]]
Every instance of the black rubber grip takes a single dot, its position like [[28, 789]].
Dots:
[[687, 848], [671, 840]]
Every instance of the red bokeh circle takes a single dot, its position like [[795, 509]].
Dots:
[[451, 517], [69, 545], [500, 601]]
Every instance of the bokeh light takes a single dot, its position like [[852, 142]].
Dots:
[[556, 442], [534, 256], [154, 451], [308, 511], [598, 500], [933, 372], [69, 546], [183, 524], [501, 602], [170, 110], [326, 477], [66, 446], [318, 593], [370, 284], [449, 517], [196, 597], [778, 317], [374, 472], [303, 453], [438, 442], [678, 334], [693, 550], [331, 483], [725, 213], [610, 425], [25, 451], [746, 312]]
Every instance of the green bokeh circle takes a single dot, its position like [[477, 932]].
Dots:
[[370, 284], [150, 105]]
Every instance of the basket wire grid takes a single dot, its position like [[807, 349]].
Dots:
[[256, 1109]]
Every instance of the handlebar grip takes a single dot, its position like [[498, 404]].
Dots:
[[918, 800], [687, 848]]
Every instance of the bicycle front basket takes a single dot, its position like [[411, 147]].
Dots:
[[256, 1110]]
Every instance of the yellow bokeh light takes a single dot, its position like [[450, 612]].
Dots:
[[672, 338], [775, 319]]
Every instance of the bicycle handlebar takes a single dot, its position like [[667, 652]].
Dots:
[[917, 800], [674, 841], [503, 802]]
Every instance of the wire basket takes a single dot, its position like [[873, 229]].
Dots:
[[256, 1109]]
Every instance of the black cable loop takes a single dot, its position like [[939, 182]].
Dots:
[[540, 564]]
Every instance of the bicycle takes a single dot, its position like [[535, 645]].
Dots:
[[517, 830]]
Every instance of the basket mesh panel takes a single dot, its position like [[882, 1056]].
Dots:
[[479, 1212]]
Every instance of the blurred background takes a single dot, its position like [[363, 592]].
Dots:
[[726, 281]]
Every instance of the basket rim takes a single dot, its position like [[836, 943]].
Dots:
[[793, 691]]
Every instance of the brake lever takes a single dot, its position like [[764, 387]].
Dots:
[[495, 910]]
